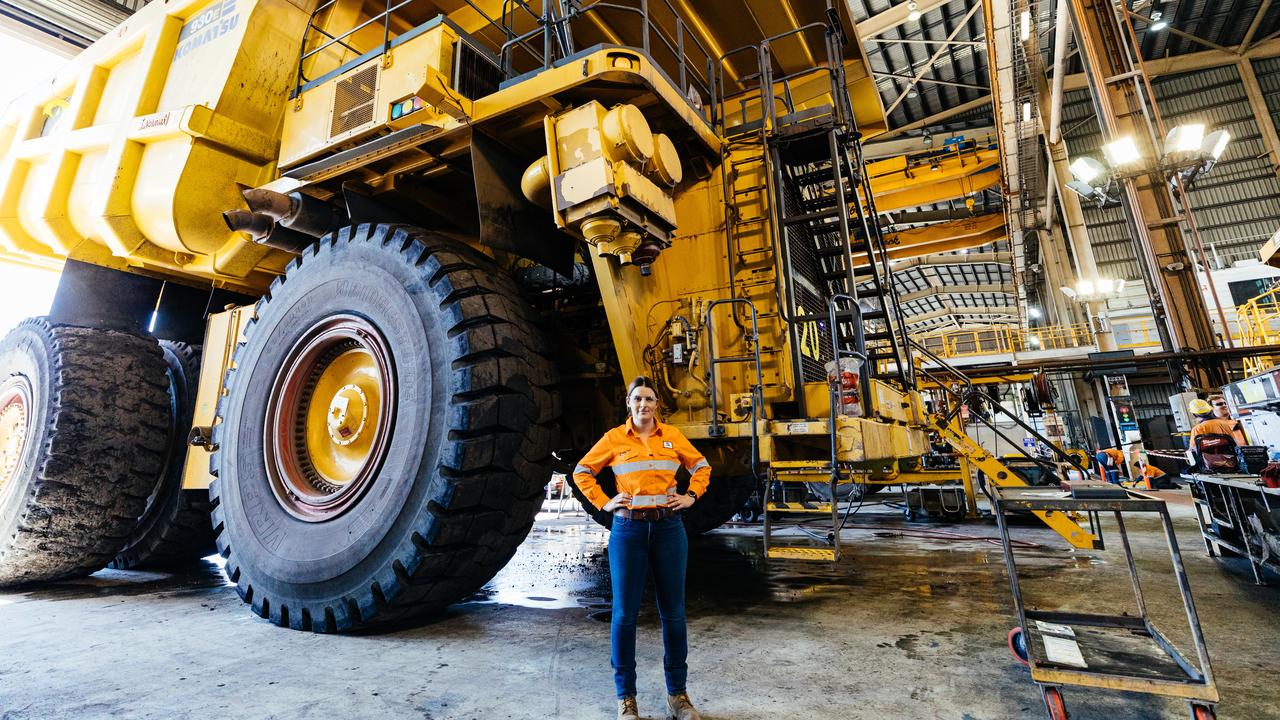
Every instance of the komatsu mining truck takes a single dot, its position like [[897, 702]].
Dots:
[[342, 283]]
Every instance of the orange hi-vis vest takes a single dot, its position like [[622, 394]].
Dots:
[[641, 468]]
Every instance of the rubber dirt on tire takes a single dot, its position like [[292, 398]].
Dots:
[[174, 527], [460, 478], [96, 421]]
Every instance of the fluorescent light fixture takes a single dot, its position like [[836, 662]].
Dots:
[[1086, 169], [1026, 112], [1215, 144], [1025, 33], [913, 11], [1121, 152], [1184, 139]]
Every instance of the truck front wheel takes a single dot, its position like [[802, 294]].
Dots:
[[386, 432]]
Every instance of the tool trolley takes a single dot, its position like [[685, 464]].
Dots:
[[1125, 652]]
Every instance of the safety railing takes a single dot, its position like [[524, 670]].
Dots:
[[1259, 324], [692, 61], [680, 54], [1007, 339]]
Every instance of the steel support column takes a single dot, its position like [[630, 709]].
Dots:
[[1261, 114], [1125, 108]]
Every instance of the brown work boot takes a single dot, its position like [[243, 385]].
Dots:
[[627, 709], [679, 707]]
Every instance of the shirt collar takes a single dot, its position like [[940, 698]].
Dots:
[[631, 429]]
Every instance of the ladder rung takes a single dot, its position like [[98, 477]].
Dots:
[[755, 251], [810, 216], [736, 358], [791, 552], [753, 188]]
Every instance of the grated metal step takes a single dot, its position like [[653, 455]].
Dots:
[[792, 552]]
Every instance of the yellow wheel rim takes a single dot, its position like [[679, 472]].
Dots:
[[342, 419], [329, 418], [15, 425]]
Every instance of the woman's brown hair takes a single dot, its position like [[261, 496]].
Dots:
[[639, 382]]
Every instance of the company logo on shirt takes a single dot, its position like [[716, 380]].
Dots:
[[667, 444]]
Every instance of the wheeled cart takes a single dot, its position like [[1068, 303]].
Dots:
[[1112, 652]]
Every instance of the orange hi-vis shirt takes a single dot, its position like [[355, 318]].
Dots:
[[641, 469]]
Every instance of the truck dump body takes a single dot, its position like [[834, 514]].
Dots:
[[128, 156]]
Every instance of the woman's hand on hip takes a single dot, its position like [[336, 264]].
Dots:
[[679, 502], [621, 500]]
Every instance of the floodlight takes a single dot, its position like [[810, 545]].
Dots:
[[1214, 145], [1158, 22], [1121, 152], [913, 11], [1034, 313], [1086, 170], [1184, 139], [1084, 287]]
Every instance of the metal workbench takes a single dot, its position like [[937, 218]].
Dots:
[[1123, 652], [1229, 508]]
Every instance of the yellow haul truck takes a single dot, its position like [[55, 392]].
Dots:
[[342, 280]]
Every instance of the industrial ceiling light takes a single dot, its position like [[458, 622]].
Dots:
[[1121, 152], [1025, 26], [1214, 144], [1086, 170], [1094, 290], [1184, 139], [1034, 313], [913, 11], [1158, 22]]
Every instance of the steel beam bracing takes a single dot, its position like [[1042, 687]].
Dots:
[[1125, 107]]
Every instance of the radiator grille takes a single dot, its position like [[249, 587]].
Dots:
[[353, 100], [475, 74]]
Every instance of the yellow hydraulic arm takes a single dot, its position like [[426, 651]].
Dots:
[[998, 474]]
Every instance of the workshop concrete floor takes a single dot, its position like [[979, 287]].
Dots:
[[908, 625]]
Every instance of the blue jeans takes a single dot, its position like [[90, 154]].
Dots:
[[637, 547]]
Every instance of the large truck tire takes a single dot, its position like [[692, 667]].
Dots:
[[175, 527], [386, 433], [83, 421], [726, 495]]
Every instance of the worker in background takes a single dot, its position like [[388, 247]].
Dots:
[[1110, 464], [1215, 419], [1148, 476], [647, 535]]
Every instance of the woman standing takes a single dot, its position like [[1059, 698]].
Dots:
[[648, 536]]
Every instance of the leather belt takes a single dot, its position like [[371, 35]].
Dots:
[[648, 514]]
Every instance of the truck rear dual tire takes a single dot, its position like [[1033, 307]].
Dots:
[[174, 528], [84, 415], [386, 434]]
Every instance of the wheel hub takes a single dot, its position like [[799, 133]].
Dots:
[[15, 421], [329, 418], [347, 414]]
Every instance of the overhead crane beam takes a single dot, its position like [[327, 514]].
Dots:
[[897, 185]]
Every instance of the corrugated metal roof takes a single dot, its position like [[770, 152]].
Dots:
[[76, 22]]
